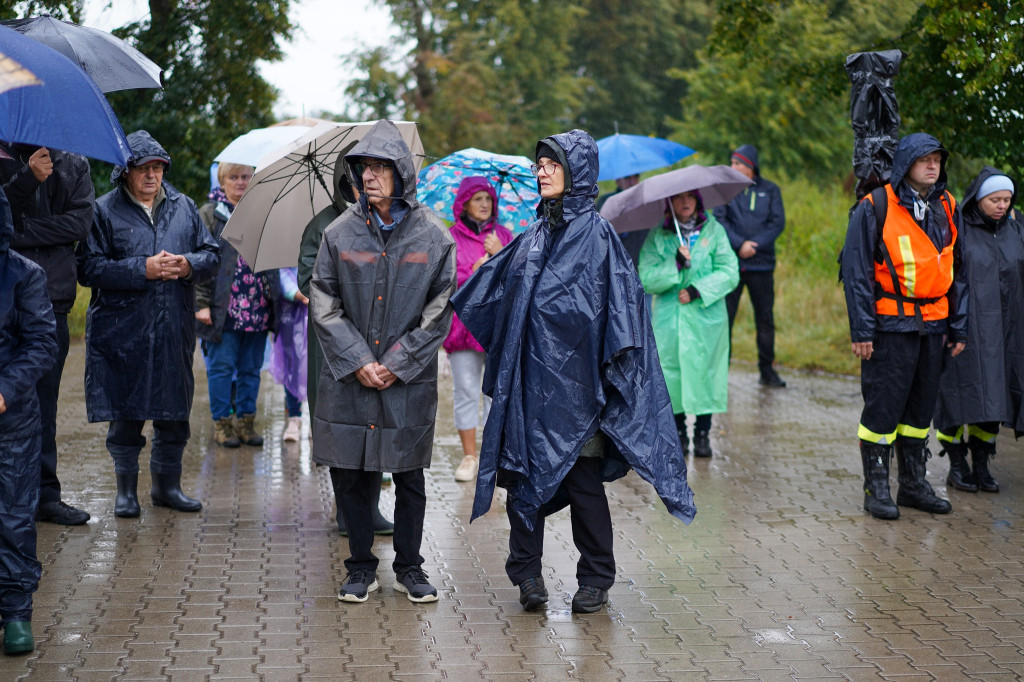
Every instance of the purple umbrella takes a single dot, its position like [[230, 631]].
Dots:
[[643, 206]]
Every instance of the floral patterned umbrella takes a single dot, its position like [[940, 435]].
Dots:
[[438, 183]]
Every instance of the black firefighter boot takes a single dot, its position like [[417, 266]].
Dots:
[[914, 490], [877, 500], [126, 503], [166, 492], [981, 452], [960, 476]]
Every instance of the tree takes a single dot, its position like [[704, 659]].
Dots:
[[68, 10], [772, 75], [213, 91], [962, 75]]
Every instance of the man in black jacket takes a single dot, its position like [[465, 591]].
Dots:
[[754, 220], [52, 199]]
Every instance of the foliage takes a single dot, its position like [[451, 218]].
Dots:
[[68, 10], [963, 73], [212, 87]]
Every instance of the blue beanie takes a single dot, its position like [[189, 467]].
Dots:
[[994, 183]]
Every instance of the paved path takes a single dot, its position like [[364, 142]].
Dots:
[[781, 576]]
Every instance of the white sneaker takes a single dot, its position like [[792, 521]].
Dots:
[[467, 470], [293, 430]]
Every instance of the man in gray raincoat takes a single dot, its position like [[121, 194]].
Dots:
[[379, 302]]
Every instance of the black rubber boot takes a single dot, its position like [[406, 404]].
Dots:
[[877, 500], [960, 476], [126, 503], [981, 452], [701, 444], [166, 492], [684, 439], [914, 490]]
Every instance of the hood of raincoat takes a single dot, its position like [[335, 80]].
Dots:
[[577, 153], [467, 188], [384, 141], [749, 153], [570, 352], [969, 207], [143, 147], [911, 148]]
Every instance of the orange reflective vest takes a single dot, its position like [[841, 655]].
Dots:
[[914, 276]]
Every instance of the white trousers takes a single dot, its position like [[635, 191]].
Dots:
[[467, 376]]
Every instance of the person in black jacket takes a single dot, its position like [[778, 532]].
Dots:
[[906, 297], [147, 250], [52, 199], [983, 387], [754, 220], [28, 349]]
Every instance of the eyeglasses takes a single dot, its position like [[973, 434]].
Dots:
[[377, 168], [548, 168]]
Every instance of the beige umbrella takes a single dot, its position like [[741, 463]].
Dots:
[[291, 186], [14, 75]]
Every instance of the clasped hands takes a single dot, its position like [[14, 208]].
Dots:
[[375, 375], [167, 266]]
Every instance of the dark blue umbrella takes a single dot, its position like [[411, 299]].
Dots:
[[624, 155], [67, 112]]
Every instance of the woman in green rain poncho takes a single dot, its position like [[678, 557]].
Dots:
[[688, 266]]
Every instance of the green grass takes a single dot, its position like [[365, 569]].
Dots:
[[811, 328], [76, 318]]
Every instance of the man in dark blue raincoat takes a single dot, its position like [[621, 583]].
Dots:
[[572, 368], [147, 249], [28, 349]]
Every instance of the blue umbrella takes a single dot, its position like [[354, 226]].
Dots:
[[624, 155], [67, 112], [516, 186]]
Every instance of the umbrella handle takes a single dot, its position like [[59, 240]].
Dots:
[[679, 233]]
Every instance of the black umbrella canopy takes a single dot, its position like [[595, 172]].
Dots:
[[112, 63]]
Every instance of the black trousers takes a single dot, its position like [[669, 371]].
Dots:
[[354, 491], [900, 384], [19, 495], [125, 441], [591, 531], [48, 390], [761, 286]]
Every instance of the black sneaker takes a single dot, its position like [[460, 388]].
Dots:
[[771, 379], [62, 513], [413, 581], [589, 599], [532, 593], [358, 585]]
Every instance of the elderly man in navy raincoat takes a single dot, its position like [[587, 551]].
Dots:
[[28, 350], [147, 250], [572, 368]]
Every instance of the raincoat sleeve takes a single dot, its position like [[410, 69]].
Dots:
[[204, 290], [959, 292], [858, 272], [658, 270], [775, 221], [68, 223], [345, 350], [205, 255], [415, 349], [725, 274], [97, 266], [37, 347]]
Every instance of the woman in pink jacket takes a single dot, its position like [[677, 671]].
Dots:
[[478, 236]]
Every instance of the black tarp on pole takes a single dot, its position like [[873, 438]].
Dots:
[[874, 114]]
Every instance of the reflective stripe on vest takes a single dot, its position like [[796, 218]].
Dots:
[[923, 273]]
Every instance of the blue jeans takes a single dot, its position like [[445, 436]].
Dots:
[[238, 356]]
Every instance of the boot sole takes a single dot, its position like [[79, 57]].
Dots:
[[168, 505], [399, 587]]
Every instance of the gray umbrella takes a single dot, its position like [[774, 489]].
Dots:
[[643, 206], [112, 63]]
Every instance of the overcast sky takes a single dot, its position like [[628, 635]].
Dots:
[[311, 77]]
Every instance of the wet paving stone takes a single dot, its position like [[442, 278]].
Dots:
[[782, 576]]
